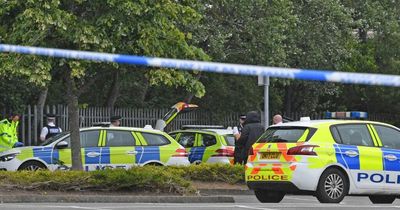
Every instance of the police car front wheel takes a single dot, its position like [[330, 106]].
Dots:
[[381, 198], [266, 196], [332, 186], [32, 166]]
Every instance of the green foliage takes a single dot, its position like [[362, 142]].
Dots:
[[148, 28], [157, 179], [343, 35], [213, 173]]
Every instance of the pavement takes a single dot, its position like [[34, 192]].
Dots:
[[113, 199], [244, 202]]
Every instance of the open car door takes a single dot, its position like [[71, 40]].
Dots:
[[178, 108]]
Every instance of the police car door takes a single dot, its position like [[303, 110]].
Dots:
[[207, 146], [187, 140], [90, 152], [152, 150], [119, 149], [390, 141], [360, 154]]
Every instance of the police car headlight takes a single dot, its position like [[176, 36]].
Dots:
[[8, 157]]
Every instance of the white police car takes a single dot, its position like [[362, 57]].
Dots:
[[326, 158], [102, 147]]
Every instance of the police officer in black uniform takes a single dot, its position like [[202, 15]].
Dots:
[[50, 129], [237, 157]]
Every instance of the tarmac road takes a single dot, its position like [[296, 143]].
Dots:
[[242, 202]]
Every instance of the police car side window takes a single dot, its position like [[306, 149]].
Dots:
[[355, 134], [187, 139], [207, 140], [335, 134], [88, 139], [155, 139], [389, 137], [119, 138]]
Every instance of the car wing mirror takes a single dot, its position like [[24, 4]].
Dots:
[[62, 145]]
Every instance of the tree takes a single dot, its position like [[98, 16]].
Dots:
[[127, 27], [248, 32]]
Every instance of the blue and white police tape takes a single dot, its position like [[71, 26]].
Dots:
[[290, 73]]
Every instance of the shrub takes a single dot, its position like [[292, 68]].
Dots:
[[157, 179]]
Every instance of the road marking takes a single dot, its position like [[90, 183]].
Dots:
[[78, 207], [251, 207], [300, 199]]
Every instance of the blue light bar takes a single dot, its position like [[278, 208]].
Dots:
[[346, 115], [289, 73]]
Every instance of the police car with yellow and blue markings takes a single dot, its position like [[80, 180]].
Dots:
[[206, 144], [328, 159], [102, 147]]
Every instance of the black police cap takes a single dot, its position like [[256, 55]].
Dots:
[[115, 118], [50, 115]]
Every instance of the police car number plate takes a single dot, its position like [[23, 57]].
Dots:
[[270, 155]]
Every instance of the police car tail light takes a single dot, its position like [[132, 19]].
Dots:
[[180, 153], [302, 150], [223, 153]]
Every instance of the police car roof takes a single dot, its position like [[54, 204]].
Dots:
[[217, 131], [123, 129], [315, 123], [221, 131]]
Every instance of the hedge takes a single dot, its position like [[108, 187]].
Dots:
[[158, 179]]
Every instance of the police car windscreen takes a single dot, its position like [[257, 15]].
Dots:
[[230, 140], [283, 134]]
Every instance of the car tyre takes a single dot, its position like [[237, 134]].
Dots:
[[266, 196], [32, 166], [376, 199], [333, 186]]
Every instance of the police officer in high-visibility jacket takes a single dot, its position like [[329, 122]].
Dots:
[[8, 133]]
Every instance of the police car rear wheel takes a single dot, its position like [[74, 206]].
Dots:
[[381, 198], [32, 166], [266, 196], [332, 186]]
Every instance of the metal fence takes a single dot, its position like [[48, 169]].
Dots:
[[32, 120]]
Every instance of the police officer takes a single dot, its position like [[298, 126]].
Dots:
[[50, 129], [237, 159], [251, 131], [8, 132], [115, 121]]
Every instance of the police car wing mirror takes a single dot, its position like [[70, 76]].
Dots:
[[62, 145]]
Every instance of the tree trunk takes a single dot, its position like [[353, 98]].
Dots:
[[113, 93], [40, 104], [72, 98]]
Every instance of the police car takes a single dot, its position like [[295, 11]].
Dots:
[[328, 159], [102, 147], [206, 144]]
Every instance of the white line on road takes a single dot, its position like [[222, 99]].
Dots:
[[251, 207], [80, 207], [300, 199], [54, 206]]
